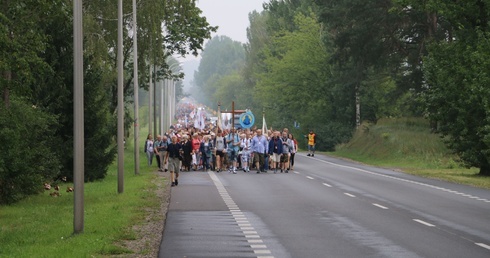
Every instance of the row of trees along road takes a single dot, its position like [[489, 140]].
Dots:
[[36, 81], [330, 64]]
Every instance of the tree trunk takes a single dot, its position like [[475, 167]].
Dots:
[[485, 170], [358, 107]]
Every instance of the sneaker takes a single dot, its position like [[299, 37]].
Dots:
[[176, 182], [287, 170], [282, 171], [313, 155], [165, 170], [308, 154], [258, 171], [173, 184]]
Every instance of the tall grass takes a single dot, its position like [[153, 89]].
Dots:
[[42, 225], [409, 145]]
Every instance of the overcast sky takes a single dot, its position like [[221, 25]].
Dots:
[[232, 18], [230, 15]]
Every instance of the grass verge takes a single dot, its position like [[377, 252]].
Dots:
[[42, 225], [408, 145]]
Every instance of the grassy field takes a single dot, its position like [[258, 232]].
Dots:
[[42, 225], [408, 145]]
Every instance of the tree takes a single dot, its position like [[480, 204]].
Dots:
[[22, 40], [221, 56], [457, 96]]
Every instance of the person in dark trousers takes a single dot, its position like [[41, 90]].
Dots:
[[149, 149], [294, 149], [259, 147], [206, 150], [187, 148]]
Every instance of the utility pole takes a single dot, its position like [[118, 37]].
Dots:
[[136, 89], [120, 100], [154, 100], [78, 124], [150, 101]]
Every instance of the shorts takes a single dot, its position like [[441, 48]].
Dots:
[[245, 156], [259, 157], [275, 157], [285, 157], [232, 155], [219, 153], [174, 165]]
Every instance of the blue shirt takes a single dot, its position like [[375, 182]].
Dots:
[[234, 140], [260, 145]]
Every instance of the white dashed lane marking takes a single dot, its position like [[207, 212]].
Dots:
[[483, 245], [406, 180], [380, 206], [423, 222]]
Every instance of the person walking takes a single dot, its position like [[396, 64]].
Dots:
[[275, 151], [172, 157], [206, 151], [294, 149], [220, 146], [245, 145], [149, 149], [259, 148], [233, 143], [187, 149], [156, 143], [196, 144], [287, 145], [311, 143]]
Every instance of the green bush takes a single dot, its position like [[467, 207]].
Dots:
[[27, 158]]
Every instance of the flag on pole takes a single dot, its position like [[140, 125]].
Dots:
[[264, 125], [199, 122], [219, 125]]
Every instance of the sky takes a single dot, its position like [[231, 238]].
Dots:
[[230, 15]]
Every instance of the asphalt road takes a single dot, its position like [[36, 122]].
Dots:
[[325, 208]]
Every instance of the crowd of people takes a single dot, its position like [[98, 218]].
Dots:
[[191, 149]]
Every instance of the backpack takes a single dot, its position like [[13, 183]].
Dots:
[[146, 143]]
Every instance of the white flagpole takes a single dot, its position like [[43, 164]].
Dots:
[[264, 125]]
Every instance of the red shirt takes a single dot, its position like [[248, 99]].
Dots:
[[196, 143]]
